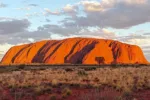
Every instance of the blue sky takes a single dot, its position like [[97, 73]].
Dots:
[[25, 21]]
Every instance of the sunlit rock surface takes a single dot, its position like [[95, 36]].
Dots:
[[75, 51]]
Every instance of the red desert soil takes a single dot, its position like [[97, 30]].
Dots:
[[75, 51], [76, 94]]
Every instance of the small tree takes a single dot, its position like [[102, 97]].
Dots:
[[100, 60]]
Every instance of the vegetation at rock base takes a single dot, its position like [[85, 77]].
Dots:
[[62, 82]]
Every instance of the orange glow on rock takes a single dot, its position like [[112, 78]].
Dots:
[[75, 51]]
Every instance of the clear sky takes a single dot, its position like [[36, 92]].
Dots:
[[25, 21]]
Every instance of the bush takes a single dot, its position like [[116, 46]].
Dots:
[[53, 97], [127, 95], [54, 82], [22, 66], [82, 73], [89, 68], [115, 65], [68, 69], [42, 89], [66, 92], [42, 68]]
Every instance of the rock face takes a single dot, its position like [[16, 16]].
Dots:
[[75, 51]]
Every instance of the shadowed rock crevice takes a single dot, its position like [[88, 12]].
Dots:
[[78, 56], [72, 50], [56, 48], [20, 51], [130, 53], [38, 58], [115, 50], [28, 51]]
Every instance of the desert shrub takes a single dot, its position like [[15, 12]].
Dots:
[[88, 86], [18, 95], [12, 86], [115, 65], [3, 70], [22, 66], [66, 92], [119, 98], [68, 69], [42, 68], [75, 85], [47, 89], [119, 78], [127, 95], [54, 82], [42, 89], [53, 97], [38, 90], [89, 68], [96, 79], [82, 73], [27, 86]]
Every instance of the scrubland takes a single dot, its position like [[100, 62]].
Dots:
[[123, 81]]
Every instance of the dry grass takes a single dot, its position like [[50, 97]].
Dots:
[[126, 79]]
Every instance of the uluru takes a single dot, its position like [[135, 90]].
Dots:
[[75, 51]]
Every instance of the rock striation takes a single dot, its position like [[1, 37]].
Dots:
[[75, 51]]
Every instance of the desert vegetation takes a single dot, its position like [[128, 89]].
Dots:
[[52, 82]]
